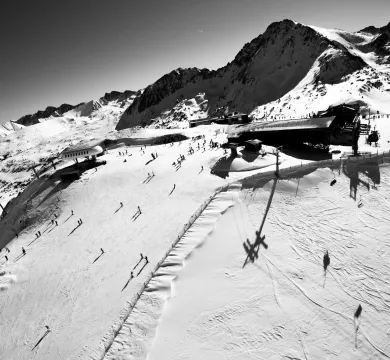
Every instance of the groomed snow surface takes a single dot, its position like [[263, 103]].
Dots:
[[218, 295], [207, 300]]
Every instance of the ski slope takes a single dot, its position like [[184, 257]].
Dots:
[[218, 295], [57, 283]]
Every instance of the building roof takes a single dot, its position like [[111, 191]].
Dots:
[[254, 142], [83, 145], [300, 124]]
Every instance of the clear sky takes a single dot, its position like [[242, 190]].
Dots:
[[69, 51]]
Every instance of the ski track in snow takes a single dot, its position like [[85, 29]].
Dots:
[[309, 230]]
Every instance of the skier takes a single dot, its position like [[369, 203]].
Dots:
[[146, 259], [39, 233], [24, 251], [121, 204], [101, 249], [139, 210], [358, 311], [141, 256], [6, 258], [326, 260], [72, 213], [56, 223], [131, 275]]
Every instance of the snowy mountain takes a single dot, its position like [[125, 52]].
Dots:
[[9, 127], [288, 60], [226, 260], [116, 98]]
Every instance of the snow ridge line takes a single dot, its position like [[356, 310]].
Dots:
[[125, 313]]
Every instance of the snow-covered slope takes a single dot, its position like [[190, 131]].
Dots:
[[289, 59], [228, 293], [278, 306], [9, 127]]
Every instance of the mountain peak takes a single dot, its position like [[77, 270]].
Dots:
[[374, 30]]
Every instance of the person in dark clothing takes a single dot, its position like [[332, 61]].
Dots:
[[101, 249], [56, 223], [24, 251], [146, 259], [326, 260]]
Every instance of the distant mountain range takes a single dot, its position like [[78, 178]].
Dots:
[[281, 71]]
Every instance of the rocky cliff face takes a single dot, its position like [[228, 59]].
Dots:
[[121, 98], [286, 57], [28, 120], [264, 70], [375, 31]]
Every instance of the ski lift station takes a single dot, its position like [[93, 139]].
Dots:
[[81, 151]]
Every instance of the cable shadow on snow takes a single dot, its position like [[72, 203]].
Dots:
[[252, 250]]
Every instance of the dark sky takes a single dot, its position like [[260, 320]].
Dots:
[[71, 51]]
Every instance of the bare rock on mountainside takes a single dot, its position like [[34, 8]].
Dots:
[[288, 57], [264, 70], [375, 31], [33, 119], [92, 105]]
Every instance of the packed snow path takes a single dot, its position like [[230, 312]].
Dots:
[[207, 302]]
